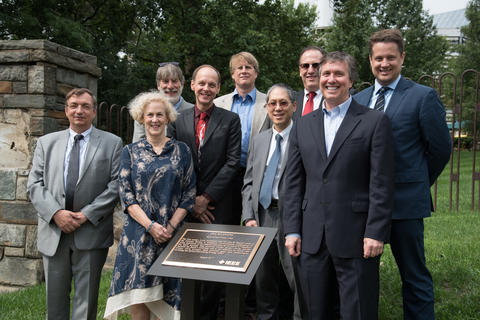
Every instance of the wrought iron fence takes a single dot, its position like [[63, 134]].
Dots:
[[459, 95]]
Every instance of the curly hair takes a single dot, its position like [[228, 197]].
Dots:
[[138, 104]]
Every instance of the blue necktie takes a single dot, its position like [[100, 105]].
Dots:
[[380, 103], [267, 184]]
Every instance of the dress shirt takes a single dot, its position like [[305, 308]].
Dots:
[[244, 109], [316, 100], [197, 116], [83, 149], [332, 119], [388, 93], [285, 134], [179, 102]]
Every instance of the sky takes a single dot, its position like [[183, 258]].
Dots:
[[439, 6]]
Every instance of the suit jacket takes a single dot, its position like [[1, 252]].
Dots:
[[139, 129], [96, 192], [260, 121], [422, 145], [346, 196], [219, 160], [256, 165]]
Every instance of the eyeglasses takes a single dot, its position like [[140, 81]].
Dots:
[[307, 65], [283, 104], [163, 64], [85, 106]]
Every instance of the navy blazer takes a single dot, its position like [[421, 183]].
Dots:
[[218, 163], [422, 145], [346, 196]]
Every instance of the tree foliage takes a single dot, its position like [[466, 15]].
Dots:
[[130, 38], [356, 20]]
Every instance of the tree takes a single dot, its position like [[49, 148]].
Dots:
[[356, 20], [469, 53]]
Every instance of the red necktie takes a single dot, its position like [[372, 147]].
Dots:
[[309, 104], [201, 127]]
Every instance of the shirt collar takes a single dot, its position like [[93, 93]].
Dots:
[[341, 109], [306, 92], [85, 134], [285, 132], [392, 85], [179, 102], [252, 94], [198, 111]]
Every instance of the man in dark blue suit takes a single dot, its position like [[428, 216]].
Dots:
[[422, 149], [338, 197]]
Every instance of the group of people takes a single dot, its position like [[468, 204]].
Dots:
[[338, 175]]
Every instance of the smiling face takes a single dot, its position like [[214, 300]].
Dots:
[[155, 119], [80, 112], [335, 83], [244, 74], [280, 108], [386, 62], [206, 86], [308, 67], [172, 88]]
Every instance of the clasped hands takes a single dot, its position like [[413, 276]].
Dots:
[[159, 233], [69, 221], [201, 210]]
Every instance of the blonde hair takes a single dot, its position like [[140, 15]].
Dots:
[[138, 104]]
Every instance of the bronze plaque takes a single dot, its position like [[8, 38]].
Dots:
[[218, 250]]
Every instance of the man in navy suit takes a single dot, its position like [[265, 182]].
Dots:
[[422, 149], [338, 197]]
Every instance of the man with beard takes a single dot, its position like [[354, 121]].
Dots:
[[170, 81]]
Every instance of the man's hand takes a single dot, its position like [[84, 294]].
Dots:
[[80, 217], [66, 221], [201, 210], [251, 223], [372, 248], [294, 245]]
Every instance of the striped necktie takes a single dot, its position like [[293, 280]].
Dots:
[[380, 103]]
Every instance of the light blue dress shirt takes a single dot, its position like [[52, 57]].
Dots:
[[388, 94], [244, 109], [179, 102], [83, 149], [332, 119]]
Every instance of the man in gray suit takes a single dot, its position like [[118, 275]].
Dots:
[[261, 202], [73, 187], [170, 81]]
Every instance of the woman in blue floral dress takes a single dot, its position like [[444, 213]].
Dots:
[[157, 190]]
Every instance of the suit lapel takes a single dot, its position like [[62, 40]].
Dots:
[[317, 127], [258, 118], [366, 97], [398, 95], [92, 148], [263, 150], [59, 162], [215, 119], [189, 126], [348, 124]]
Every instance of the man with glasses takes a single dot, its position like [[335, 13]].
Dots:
[[170, 81], [73, 187], [310, 97], [262, 202]]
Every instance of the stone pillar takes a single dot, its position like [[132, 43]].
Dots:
[[35, 75]]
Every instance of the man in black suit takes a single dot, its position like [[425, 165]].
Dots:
[[310, 97], [339, 196], [213, 135]]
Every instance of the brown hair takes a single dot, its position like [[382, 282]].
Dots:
[[194, 75], [344, 57], [386, 35], [79, 92], [247, 56]]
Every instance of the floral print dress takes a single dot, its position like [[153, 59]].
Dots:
[[159, 184]]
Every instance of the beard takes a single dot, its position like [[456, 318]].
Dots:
[[172, 99]]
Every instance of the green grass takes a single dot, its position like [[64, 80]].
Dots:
[[452, 248]]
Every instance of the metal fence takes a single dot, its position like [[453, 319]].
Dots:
[[459, 95]]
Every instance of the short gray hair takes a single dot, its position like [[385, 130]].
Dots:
[[140, 102], [169, 71], [290, 92]]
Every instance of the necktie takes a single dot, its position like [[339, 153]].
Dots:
[[380, 103], [309, 104], [201, 127], [72, 174], [267, 183]]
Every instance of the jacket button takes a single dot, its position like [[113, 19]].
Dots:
[[324, 180]]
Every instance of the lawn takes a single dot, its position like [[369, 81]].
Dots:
[[452, 243]]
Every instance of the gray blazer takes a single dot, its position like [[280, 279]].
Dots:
[[260, 122], [139, 129], [96, 193], [256, 164]]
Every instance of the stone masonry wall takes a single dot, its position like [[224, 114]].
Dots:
[[35, 75]]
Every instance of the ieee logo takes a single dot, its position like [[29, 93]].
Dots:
[[229, 262]]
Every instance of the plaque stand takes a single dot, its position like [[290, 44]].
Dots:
[[235, 282]]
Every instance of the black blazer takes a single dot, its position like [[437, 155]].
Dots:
[[346, 196], [219, 160]]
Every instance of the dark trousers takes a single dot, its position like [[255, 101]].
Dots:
[[358, 285], [407, 246]]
